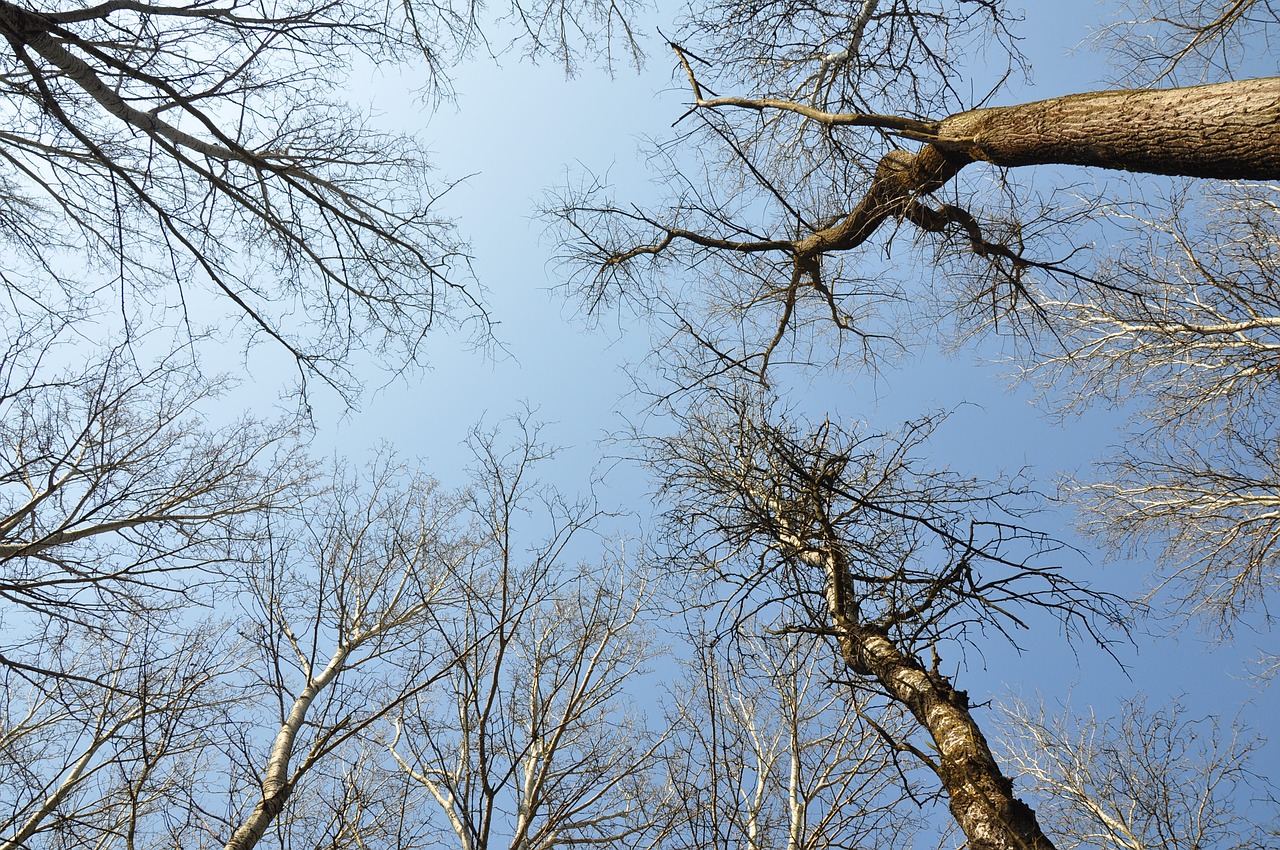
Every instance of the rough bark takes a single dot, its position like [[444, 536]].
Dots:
[[1229, 130], [979, 795], [1225, 130]]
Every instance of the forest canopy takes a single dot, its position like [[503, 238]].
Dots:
[[762, 620]]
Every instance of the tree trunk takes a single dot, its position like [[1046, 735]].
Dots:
[[1226, 130], [979, 795]]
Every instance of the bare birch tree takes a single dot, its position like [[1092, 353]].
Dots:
[[852, 539], [1146, 778], [112, 739], [533, 740], [769, 752]]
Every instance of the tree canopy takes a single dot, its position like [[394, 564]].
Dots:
[[204, 159], [211, 634]]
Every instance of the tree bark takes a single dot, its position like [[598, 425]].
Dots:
[[1226, 130], [979, 795], [277, 784]]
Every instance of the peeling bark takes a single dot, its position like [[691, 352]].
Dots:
[[979, 795]]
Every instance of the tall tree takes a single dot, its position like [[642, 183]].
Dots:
[[531, 741], [382, 664], [852, 539], [1150, 777], [836, 136], [343, 616], [235, 701]]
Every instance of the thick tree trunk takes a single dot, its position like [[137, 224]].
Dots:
[[979, 795], [1226, 130]]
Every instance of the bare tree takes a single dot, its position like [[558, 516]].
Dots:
[[769, 752], [851, 143], [345, 621], [850, 538], [1195, 40], [112, 739], [114, 500], [808, 178], [1185, 338], [183, 149], [179, 728], [533, 740], [1143, 779]]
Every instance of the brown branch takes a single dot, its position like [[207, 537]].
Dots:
[[910, 127], [673, 233], [33, 30]]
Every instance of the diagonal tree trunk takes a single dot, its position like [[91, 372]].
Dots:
[[980, 796], [1224, 130]]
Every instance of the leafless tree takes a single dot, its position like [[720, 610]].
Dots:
[[807, 178], [114, 500], [770, 752], [852, 539], [1181, 332], [344, 617], [1146, 778], [112, 739], [1192, 40], [181, 150], [533, 741], [182, 727], [817, 157], [1186, 339]]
